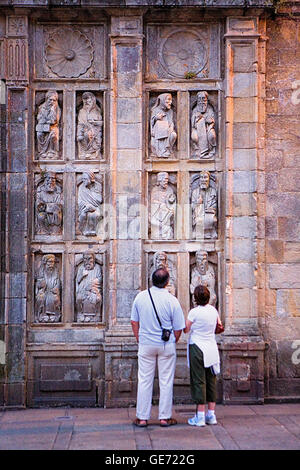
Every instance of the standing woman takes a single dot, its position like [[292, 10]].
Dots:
[[203, 355]]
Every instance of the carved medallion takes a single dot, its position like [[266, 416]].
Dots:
[[69, 53], [184, 52]]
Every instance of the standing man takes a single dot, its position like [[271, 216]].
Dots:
[[152, 348]]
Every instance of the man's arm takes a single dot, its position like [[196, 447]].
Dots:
[[177, 334], [135, 325]]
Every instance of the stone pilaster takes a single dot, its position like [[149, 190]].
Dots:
[[15, 164], [126, 197], [242, 347]]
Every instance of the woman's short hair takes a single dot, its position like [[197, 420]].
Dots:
[[201, 295], [160, 278]]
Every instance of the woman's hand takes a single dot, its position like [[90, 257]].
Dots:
[[188, 325]]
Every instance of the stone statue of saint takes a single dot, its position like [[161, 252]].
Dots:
[[203, 274], [163, 135], [163, 209], [160, 260], [90, 202], [204, 206], [89, 128], [47, 130], [203, 132], [47, 291], [49, 205], [88, 289]]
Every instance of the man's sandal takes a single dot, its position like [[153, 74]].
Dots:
[[137, 422], [167, 422]]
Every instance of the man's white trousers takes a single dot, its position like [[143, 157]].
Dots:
[[165, 355]]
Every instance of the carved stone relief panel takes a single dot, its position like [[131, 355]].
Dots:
[[204, 125], [70, 51], [161, 259], [48, 204], [48, 288], [48, 125], [204, 205], [162, 126], [163, 199], [203, 269], [88, 287], [182, 51], [89, 131], [89, 204]]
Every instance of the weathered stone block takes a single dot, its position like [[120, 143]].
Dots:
[[274, 251], [129, 251], [243, 275], [244, 135], [284, 276], [244, 182], [245, 110], [129, 110], [244, 227], [128, 277], [288, 303], [291, 252], [244, 85], [129, 136], [243, 251]]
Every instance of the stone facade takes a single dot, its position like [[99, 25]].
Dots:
[[136, 134]]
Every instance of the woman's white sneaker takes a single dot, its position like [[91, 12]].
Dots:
[[197, 421], [211, 419]]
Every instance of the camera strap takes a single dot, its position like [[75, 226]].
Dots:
[[155, 308]]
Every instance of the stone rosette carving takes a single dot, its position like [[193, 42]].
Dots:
[[48, 290], [89, 287], [203, 132], [203, 199], [183, 52], [202, 273], [68, 53], [160, 259], [162, 127], [162, 206], [90, 201], [48, 204]]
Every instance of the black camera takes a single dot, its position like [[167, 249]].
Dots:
[[166, 334]]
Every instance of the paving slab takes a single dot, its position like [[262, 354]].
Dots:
[[240, 427]]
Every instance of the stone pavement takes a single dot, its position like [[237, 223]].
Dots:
[[246, 427]]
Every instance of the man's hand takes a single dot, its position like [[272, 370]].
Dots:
[[177, 335]]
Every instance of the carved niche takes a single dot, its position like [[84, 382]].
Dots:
[[47, 128], [204, 205], [203, 273], [161, 259], [88, 287], [89, 134], [163, 133], [203, 127], [66, 52], [48, 204], [47, 305], [90, 203], [163, 188], [182, 52]]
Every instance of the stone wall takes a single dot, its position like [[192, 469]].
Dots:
[[282, 222], [77, 348]]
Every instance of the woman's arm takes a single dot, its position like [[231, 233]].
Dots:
[[188, 325]]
